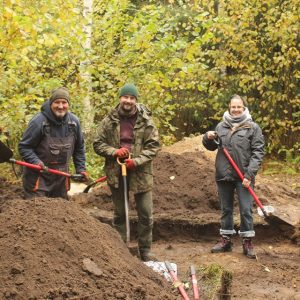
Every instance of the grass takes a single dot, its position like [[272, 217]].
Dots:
[[216, 282]]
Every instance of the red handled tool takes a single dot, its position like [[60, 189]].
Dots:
[[194, 283], [6, 156], [177, 283], [236, 168], [101, 179]]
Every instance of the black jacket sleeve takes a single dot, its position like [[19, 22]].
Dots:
[[209, 144], [79, 148], [31, 139]]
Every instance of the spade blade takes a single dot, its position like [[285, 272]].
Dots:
[[5, 153]]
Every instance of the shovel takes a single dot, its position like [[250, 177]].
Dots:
[[101, 179], [265, 211], [6, 156], [124, 175]]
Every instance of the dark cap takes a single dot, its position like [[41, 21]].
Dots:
[[129, 89], [60, 93]]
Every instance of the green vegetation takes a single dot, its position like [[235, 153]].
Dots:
[[186, 57], [216, 282]]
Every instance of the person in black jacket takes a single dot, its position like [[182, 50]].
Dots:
[[244, 141], [52, 137]]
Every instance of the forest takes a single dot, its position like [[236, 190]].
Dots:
[[186, 57]]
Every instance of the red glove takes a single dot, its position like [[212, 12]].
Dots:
[[85, 176], [121, 153], [130, 165]]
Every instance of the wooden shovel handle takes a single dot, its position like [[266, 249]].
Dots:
[[123, 165]]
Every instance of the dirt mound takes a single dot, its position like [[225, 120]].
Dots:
[[53, 250], [9, 190], [184, 185], [185, 188]]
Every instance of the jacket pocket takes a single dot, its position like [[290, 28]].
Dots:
[[59, 153]]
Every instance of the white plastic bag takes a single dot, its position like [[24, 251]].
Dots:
[[160, 267]]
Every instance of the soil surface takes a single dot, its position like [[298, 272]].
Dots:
[[57, 249]]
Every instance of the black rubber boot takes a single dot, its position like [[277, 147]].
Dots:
[[224, 245], [146, 255], [248, 249]]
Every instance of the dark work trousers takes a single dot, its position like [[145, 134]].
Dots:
[[58, 189], [226, 196], [144, 206]]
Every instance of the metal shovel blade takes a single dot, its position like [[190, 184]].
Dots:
[[287, 214], [5, 153], [268, 209]]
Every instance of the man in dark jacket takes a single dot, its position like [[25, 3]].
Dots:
[[52, 137], [129, 128], [244, 141]]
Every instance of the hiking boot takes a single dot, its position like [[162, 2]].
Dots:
[[248, 249], [224, 245], [147, 256]]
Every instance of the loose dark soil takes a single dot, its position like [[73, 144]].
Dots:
[[57, 249]]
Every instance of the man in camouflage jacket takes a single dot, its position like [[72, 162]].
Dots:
[[129, 129]]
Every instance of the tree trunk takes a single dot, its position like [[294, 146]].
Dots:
[[84, 65]]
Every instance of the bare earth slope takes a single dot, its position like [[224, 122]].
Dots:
[[48, 250]]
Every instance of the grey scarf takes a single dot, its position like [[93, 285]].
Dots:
[[236, 122]]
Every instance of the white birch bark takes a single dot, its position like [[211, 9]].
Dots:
[[84, 65]]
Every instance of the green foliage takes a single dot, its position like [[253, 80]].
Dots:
[[40, 48], [290, 164], [188, 58]]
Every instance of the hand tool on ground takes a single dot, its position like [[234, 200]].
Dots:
[[6, 156], [264, 210], [194, 283], [124, 176], [101, 179], [176, 282]]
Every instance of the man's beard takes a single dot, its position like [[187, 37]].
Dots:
[[128, 108], [59, 115], [127, 112]]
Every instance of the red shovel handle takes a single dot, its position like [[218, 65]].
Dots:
[[177, 283], [101, 179], [38, 168], [194, 283], [242, 178]]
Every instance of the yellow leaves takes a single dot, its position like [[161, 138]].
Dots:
[[49, 39], [8, 12]]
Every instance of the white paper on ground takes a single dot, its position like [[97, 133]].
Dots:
[[160, 267]]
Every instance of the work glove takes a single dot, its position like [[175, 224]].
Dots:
[[85, 176], [130, 165], [42, 165], [80, 177], [121, 153]]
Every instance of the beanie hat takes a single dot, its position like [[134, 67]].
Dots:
[[60, 93], [129, 89]]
